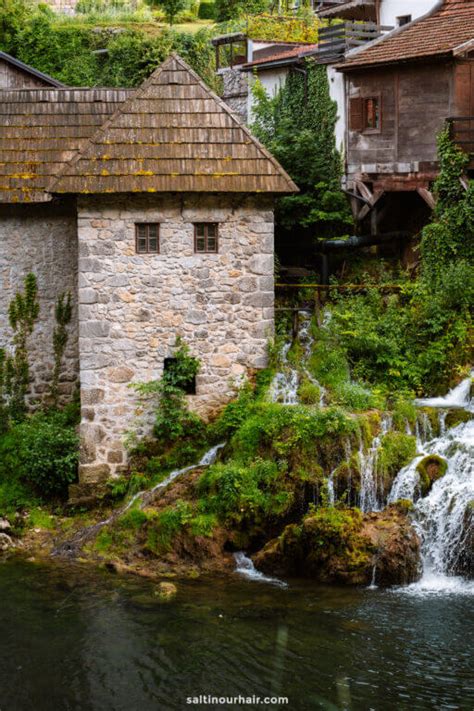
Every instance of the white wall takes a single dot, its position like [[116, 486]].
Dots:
[[337, 93], [391, 9], [272, 80]]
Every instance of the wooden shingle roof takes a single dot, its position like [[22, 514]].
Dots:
[[438, 33], [173, 135], [42, 129]]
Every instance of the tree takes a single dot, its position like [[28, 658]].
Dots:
[[13, 16], [172, 8], [63, 315], [298, 126]]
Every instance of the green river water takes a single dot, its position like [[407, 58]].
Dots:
[[75, 639]]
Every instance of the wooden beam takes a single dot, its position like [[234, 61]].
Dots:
[[427, 196], [377, 194], [364, 190]]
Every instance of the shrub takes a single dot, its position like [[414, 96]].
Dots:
[[207, 10], [41, 453]]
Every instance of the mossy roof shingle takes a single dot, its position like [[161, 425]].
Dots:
[[172, 135]]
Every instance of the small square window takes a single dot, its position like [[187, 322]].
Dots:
[[189, 386], [403, 20], [206, 237], [147, 238]]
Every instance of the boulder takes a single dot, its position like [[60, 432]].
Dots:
[[166, 591], [5, 542], [430, 468], [344, 546], [4, 525]]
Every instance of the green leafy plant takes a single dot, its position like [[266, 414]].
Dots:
[[173, 420], [63, 315], [40, 453], [23, 313]]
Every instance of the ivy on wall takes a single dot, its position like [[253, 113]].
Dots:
[[298, 127]]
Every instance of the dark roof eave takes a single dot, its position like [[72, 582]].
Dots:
[[288, 61], [426, 58], [31, 70]]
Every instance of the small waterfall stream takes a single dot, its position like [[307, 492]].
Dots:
[[284, 386], [145, 497], [371, 498]]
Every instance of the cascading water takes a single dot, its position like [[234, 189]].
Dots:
[[246, 568], [371, 497], [144, 497], [284, 386], [442, 518]]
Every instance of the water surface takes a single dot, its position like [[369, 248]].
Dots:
[[77, 640]]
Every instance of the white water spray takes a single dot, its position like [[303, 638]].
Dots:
[[370, 495], [246, 568], [442, 518]]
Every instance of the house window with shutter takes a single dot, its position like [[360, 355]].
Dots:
[[205, 237], [147, 238], [365, 114]]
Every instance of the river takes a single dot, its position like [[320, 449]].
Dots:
[[76, 639]]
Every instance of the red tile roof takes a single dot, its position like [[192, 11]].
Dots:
[[287, 54], [437, 34]]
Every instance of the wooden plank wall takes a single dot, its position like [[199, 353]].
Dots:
[[416, 100], [12, 77]]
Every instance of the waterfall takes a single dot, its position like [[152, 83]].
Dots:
[[370, 496], [246, 568], [145, 497], [441, 518], [284, 386]]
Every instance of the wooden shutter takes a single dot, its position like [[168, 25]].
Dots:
[[356, 114]]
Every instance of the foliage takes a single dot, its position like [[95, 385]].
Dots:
[[173, 421], [172, 8], [436, 328], [232, 9], [13, 15], [447, 245], [23, 312], [242, 495], [207, 10], [63, 315], [40, 454], [397, 449], [68, 50], [299, 28], [298, 125]]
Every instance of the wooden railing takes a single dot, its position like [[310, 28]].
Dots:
[[461, 129], [336, 40]]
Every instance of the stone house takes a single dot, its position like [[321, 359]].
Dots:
[[154, 207]]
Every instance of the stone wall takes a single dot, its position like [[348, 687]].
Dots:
[[41, 239], [236, 91], [132, 308]]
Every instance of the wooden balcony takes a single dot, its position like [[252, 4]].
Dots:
[[348, 9], [461, 129], [336, 40]]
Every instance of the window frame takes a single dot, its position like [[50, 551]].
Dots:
[[372, 129], [147, 225], [206, 237], [403, 20]]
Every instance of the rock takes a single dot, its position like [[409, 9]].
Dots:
[[4, 525], [431, 468], [465, 561], [5, 542], [166, 591], [343, 546]]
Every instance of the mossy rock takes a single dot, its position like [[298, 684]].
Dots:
[[456, 417], [309, 393], [397, 449], [166, 591], [431, 468]]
